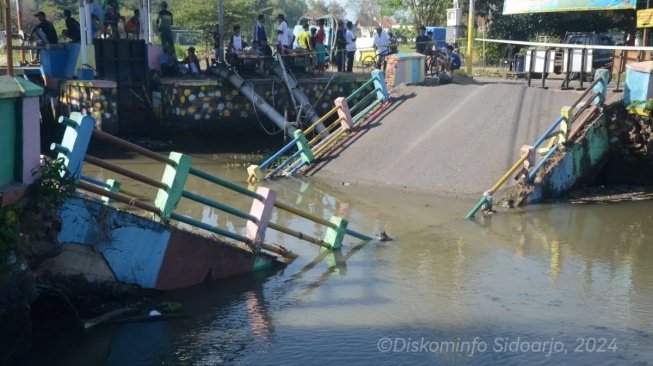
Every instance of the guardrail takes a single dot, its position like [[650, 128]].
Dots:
[[79, 130], [563, 135], [309, 151]]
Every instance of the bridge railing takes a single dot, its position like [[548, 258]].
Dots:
[[559, 133], [309, 151], [171, 189]]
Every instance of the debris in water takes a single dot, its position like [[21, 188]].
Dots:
[[345, 184], [383, 237], [154, 313]]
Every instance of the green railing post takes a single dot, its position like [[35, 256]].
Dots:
[[175, 178], [304, 147]]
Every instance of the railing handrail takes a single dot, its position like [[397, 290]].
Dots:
[[545, 136]]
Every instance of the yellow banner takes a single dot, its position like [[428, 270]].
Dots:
[[645, 18], [543, 6]]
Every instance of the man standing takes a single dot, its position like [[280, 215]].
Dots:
[[164, 23], [341, 46], [421, 41], [72, 30], [351, 46], [259, 29], [304, 38], [282, 33], [381, 42]]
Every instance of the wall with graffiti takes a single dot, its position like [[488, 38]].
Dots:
[[193, 102], [98, 98]]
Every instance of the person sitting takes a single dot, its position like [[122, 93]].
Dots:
[[169, 62], [44, 32], [453, 60], [72, 30], [236, 44], [133, 25], [192, 62]]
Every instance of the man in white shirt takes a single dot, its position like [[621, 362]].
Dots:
[[350, 37], [282, 33], [381, 42]]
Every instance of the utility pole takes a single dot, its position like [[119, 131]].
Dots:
[[19, 21], [9, 36], [470, 38], [645, 35]]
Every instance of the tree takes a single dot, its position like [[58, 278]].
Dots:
[[337, 10], [367, 10], [292, 10], [317, 8], [425, 12]]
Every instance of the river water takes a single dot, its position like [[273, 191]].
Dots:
[[550, 284]]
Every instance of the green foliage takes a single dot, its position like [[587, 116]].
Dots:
[[9, 236], [647, 105], [55, 184], [170, 307]]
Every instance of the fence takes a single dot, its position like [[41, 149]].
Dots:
[[178, 167], [309, 152], [555, 138]]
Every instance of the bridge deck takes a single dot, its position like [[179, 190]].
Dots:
[[451, 139]]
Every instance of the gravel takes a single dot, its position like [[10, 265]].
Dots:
[[455, 140]]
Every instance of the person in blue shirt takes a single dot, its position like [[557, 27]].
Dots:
[[453, 60]]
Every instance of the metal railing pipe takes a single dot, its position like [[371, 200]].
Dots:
[[211, 228], [282, 165], [298, 235], [327, 130], [224, 183], [278, 153], [321, 120], [539, 165], [118, 197], [362, 102], [218, 205], [127, 173], [133, 147], [360, 89]]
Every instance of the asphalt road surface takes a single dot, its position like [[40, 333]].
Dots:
[[455, 140]]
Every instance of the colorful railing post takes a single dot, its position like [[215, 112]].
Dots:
[[174, 176], [304, 147], [343, 113], [379, 83], [262, 210], [567, 114], [335, 235], [74, 144], [602, 86], [112, 186]]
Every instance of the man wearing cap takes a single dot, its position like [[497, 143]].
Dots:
[[282, 33], [45, 33]]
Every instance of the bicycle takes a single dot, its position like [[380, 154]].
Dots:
[[434, 62], [371, 61]]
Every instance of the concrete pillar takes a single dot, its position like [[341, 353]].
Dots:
[[20, 139]]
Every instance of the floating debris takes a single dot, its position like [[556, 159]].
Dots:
[[383, 237]]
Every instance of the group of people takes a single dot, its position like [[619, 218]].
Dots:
[[426, 45]]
